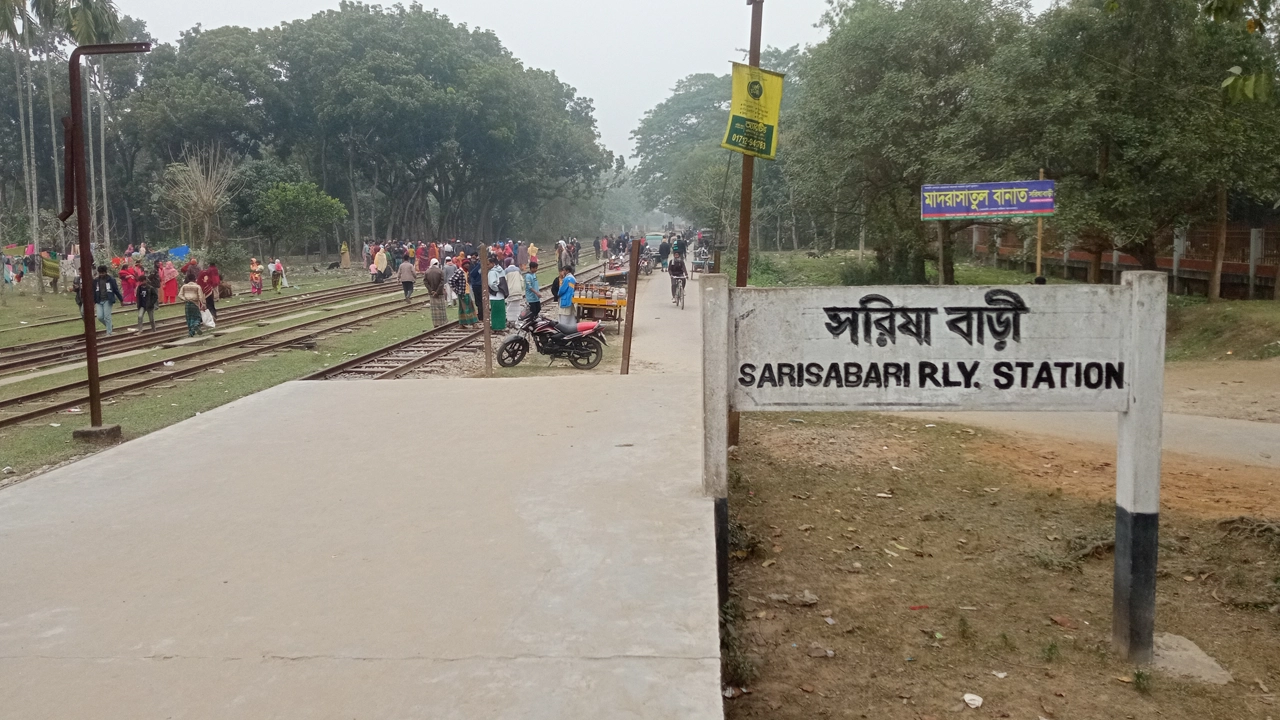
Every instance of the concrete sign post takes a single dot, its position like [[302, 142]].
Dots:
[[905, 348]]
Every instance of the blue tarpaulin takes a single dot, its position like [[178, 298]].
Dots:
[[180, 252]]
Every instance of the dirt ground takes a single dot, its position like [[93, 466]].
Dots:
[[884, 568], [1239, 389]]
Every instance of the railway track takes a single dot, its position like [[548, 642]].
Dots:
[[36, 355], [67, 396], [416, 351], [408, 355], [130, 312]]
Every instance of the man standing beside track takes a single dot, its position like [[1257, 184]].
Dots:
[[532, 293], [496, 283], [568, 285], [433, 279]]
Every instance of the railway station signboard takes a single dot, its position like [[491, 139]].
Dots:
[[976, 201], [909, 348]]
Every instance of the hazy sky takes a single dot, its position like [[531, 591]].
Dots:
[[624, 55]]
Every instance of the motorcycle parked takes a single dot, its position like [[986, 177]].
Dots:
[[582, 344]]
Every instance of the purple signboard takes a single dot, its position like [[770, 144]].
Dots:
[[986, 200]]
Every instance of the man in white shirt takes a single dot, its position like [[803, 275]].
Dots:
[[497, 282]]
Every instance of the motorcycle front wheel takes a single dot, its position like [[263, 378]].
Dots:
[[587, 353], [512, 351]]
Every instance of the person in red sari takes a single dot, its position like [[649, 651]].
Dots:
[[209, 281], [129, 282], [433, 253], [168, 283], [422, 258]]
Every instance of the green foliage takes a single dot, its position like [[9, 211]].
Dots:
[[421, 127], [296, 212], [1122, 103], [255, 178], [1050, 652], [1142, 681]]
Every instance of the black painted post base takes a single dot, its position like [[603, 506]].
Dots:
[[722, 548], [1134, 604]]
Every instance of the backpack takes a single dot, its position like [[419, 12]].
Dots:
[[503, 289]]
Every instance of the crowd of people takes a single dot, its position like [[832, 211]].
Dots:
[[147, 282], [450, 271], [452, 275]]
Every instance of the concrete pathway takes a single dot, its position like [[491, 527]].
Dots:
[[1242, 441], [522, 548]]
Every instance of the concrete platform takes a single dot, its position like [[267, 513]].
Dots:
[[525, 548]]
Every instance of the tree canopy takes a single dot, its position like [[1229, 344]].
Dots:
[[1123, 104], [420, 127]]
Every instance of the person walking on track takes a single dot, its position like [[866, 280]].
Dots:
[[193, 296], [106, 292], [407, 276], [209, 281], [147, 297]]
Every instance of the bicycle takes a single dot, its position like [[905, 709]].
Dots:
[[680, 293]]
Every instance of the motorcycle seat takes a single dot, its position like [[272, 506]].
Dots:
[[567, 328], [587, 326]]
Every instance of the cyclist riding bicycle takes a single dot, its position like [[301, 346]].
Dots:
[[679, 275]]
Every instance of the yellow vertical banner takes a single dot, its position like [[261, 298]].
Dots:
[[753, 113]]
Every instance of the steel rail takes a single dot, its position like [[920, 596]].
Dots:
[[126, 311], [65, 405], [63, 350], [430, 356]]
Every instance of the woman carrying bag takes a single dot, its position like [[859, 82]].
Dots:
[[193, 296]]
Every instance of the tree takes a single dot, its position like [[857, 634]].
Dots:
[[294, 212], [201, 187], [878, 109]]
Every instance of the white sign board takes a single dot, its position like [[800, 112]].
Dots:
[[902, 348], [1036, 347]]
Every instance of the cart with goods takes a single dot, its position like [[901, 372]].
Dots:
[[599, 301]]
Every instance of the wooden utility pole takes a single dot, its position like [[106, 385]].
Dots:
[[748, 162], [488, 317], [1039, 238], [748, 176], [633, 269]]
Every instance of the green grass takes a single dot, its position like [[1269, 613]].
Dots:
[[967, 274], [27, 306], [29, 447], [115, 363], [793, 269], [1200, 330]]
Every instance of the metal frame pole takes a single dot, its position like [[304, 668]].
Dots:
[[1040, 240], [77, 177]]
